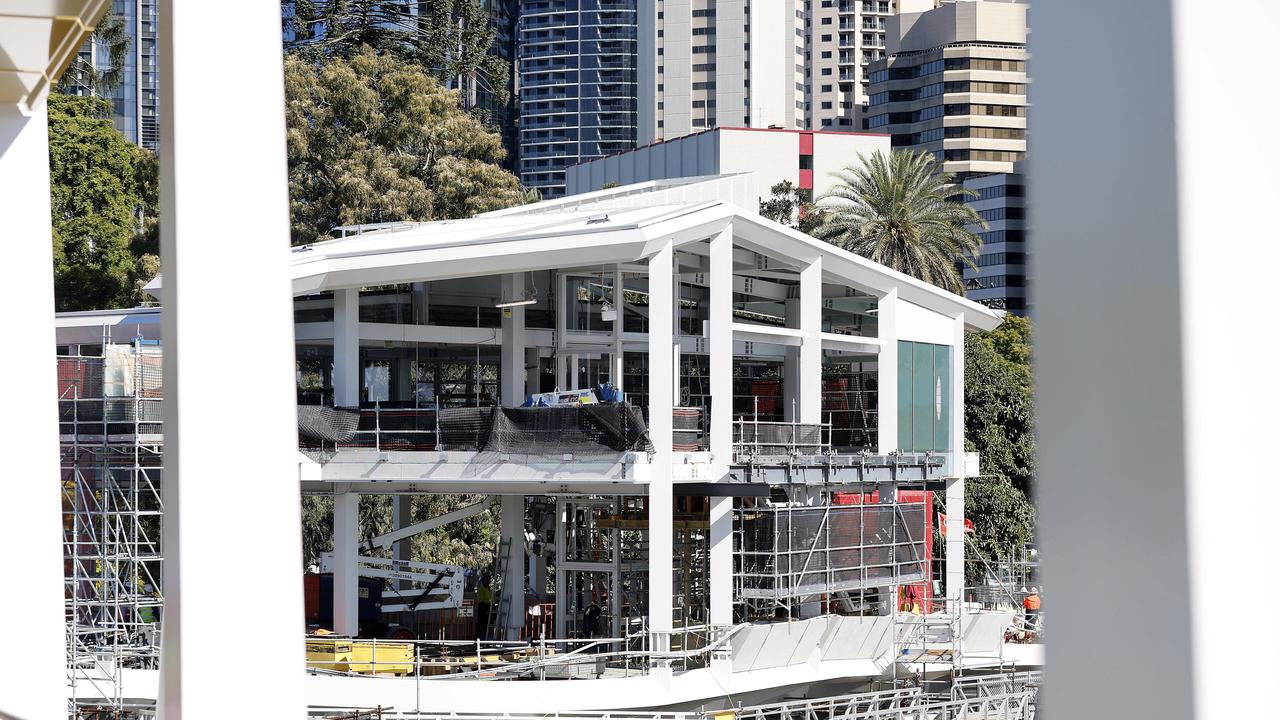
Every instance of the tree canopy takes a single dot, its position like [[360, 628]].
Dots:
[[903, 212], [1000, 423], [451, 40], [791, 206], [105, 197], [375, 139]]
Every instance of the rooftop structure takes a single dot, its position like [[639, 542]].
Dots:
[[806, 159]]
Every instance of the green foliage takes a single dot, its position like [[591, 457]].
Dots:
[[374, 139], [451, 39], [903, 212], [1000, 423], [105, 196], [469, 543], [791, 206]]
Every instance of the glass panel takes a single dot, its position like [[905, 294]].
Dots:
[[922, 398], [942, 387], [904, 395]]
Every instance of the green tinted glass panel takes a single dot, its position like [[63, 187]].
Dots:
[[923, 396], [904, 395], [942, 420]]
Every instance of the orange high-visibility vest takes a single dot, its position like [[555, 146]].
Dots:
[[1031, 602]]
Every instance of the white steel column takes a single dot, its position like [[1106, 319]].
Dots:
[[346, 348], [346, 551], [513, 382], [619, 298], [215, 165], [34, 675], [810, 376], [955, 487], [720, 362], [661, 381], [513, 582], [562, 327], [887, 374], [1156, 392]]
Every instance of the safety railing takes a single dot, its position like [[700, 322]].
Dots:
[[589, 429], [541, 659], [906, 703]]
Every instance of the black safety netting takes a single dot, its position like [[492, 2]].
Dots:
[[327, 423], [589, 430], [789, 552], [779, 438]]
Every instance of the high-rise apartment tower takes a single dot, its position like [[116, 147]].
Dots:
[[577, 85], [135, 105]]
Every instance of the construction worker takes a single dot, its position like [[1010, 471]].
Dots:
[[591, 620], [484, 603], [1031, 606]]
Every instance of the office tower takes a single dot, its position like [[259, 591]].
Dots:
[[845, 37], [955, 84], [577, 85], [135, 105], [705, 63], [1000, 280]]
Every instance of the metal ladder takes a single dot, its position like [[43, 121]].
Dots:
[[498, 584]]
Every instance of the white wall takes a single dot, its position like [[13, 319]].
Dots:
[[835, 151], [772, 40]]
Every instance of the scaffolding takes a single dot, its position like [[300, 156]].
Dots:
[[111, 450], [785, 552]]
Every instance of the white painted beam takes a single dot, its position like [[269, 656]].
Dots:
[[661, 379], [887, 375], [791, 337], [513, 341], [513, 584], [34, 678], [955, 487], [720, 363], [810, 391], [346, 348], [217, 164], [1156, 486], [851, 343], [407, 530], [346, 556]]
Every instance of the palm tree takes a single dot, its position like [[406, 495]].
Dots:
[[903, 212]]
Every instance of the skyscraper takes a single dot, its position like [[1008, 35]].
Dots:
[[955, 84], [845, 37], [577, 85], [705, 63], [135, 105]]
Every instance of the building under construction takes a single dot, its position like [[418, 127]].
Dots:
[[718, 452]]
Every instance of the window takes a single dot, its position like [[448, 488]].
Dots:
[[806, 162], [924, 397], [826, 71], [879, 98], [826, 38], [1001, 213], [877, 121], [826, 122], [826, 21], [929, 68], [704, 31], [826, 88], [826, 54], [826, 105], [879, 76]]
